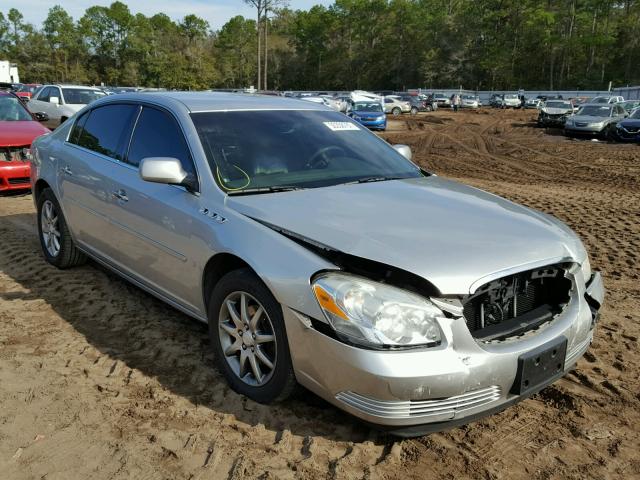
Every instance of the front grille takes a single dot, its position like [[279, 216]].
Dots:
[[446, 407], [581, 124], [18, 180], [14, 154], [515, 304], [632, 129]]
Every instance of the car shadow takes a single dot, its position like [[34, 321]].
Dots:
[[128, 325]]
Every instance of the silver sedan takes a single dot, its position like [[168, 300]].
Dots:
[[319, 254]]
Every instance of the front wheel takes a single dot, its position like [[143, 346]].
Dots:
[[396, 111], [247, 333], [414, 110], [55, 239]]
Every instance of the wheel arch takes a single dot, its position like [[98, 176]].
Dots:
[[39, 188], [216, 268]]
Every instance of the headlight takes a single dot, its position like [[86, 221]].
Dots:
[[372, 313], [586, 269], [597, 124]]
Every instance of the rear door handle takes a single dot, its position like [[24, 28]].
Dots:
[[67, 171], [120, 195]]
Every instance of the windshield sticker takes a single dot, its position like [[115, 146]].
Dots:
[[340, 126]]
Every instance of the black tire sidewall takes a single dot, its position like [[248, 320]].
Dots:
[[61, 259], [280, 384]]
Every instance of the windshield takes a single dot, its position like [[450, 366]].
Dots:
[[595, 111], [600, 100], [511, 96], [635, 114], [565, 105], [81, 96], [12, 110], [295, 149], [367, 107]]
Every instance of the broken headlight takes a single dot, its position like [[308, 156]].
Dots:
[[375, 314]]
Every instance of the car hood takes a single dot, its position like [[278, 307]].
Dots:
[[556, 111], [448, 233], [589, 118], [368, 114], [19, 133], [630, 122]]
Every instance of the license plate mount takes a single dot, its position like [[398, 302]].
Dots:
[[539, 365]]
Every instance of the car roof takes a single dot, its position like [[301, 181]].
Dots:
[[217, 101], [62, 85]]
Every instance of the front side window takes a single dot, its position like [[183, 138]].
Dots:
[[44, 94], [294, 149], [157, 134], [12, 110], [107, 129], [81, 96]]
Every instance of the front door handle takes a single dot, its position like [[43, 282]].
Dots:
[[67, 171], [120, 195]]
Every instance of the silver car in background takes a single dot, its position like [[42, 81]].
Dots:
[[595, 120], [61, 102], [319, 254], [553, 113]]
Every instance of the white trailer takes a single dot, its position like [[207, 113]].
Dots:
[[9, 72]]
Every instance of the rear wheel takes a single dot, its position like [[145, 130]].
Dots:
[[414, 110], [55, 239], [248, 337]]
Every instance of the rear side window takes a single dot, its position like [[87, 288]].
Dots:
[[107, 129], [157, 134], [77, 128]]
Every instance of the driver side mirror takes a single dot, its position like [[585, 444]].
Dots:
[[165, 170], [54, 100], [403, 150], [41, 117]]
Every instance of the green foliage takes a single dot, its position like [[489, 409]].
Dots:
[[370, 44]]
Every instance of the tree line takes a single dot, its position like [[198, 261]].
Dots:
[[365, 44]]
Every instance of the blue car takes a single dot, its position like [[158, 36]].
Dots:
[[370, 114], [628, 130]]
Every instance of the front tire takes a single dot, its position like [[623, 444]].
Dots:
[[57, 245], [396, 111], [248, 336]]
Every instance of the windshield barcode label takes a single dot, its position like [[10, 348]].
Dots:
[[339, 126]]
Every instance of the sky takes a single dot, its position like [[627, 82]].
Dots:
[[216, 12]]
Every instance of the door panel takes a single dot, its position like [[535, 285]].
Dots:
[[153, 238]]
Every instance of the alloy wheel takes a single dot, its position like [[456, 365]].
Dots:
[[50, 229], [247, 338]]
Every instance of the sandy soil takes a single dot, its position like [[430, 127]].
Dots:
[[99, 380]]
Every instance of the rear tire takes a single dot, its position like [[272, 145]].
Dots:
[[57, 245], [414, 110], [239, 340]]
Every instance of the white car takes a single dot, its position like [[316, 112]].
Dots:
[[510, 100], [60, 102], [470, 101], [607, 99], [395, 106]]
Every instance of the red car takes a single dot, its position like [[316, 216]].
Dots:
[[18, 128]]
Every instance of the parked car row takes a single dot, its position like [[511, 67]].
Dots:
[[600, 118]]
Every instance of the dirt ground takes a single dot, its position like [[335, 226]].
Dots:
[[99, 380]]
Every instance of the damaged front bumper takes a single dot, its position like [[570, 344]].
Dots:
[[417, 391]]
